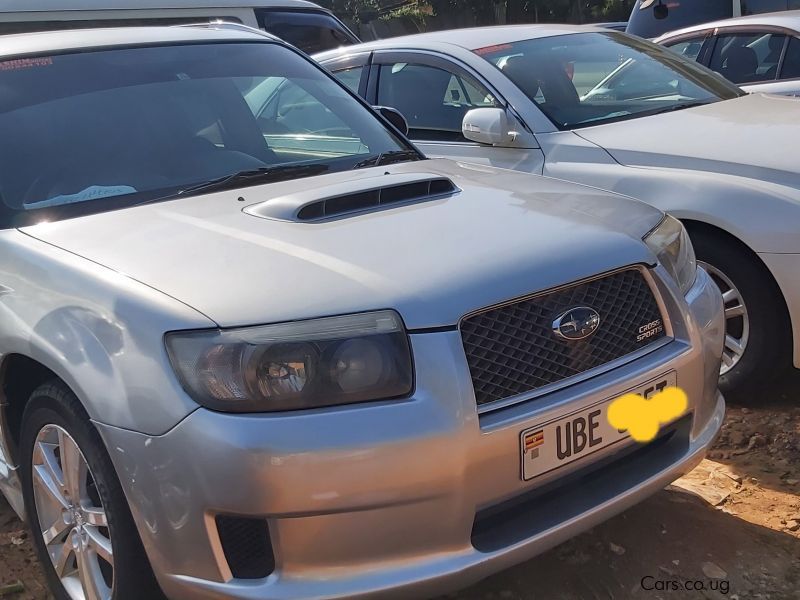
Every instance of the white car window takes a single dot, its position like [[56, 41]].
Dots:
[[747, 57], [433, 101], [688, 48]]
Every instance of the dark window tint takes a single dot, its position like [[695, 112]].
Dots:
[[752, 7], [680, 13], [350, 77], [432, 100], [34, 26], [310, 31], [688, 48], [791, 64], [747, 57]]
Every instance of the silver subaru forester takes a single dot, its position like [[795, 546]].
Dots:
[[253, 344]]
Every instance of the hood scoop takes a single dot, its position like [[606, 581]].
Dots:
[[355, 197]]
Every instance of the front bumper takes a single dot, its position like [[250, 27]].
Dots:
[[406, 498]]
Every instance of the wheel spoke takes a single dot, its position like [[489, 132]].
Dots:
[[94, 587], [72, 465], [95, 516], [733, 345], [734, 311], [56, 531], [53, 490], [731, 295], [727, 359], [62, 559], [100, 544]]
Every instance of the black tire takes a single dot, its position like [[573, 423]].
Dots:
[[55, 404], [768, 351]]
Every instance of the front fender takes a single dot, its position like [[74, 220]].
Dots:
[[99, 331]]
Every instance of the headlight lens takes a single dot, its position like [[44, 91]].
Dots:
[[290, 366], [671, 244]]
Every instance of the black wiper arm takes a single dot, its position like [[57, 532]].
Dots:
[[675, 107], [254, 177], [386, 158]]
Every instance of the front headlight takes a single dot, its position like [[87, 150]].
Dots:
[[671, 244], [290, 366]]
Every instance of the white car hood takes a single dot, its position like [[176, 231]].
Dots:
[[755, 136], [504, 235]]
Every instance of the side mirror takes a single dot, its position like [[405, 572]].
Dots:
[[395, 117], [487, 126]]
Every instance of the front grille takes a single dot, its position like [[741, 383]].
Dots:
[[512, 349], [246, 545]]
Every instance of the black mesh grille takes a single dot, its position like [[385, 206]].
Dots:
[[512, 349], [247, 547]]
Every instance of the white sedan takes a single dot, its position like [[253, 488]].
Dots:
[[760, 53], [620, 113]]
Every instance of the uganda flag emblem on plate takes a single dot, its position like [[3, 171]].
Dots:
[[532, 441]]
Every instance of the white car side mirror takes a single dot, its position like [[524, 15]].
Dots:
[[487, 126]]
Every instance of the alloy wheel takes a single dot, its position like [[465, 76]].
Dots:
[[72, 520], [737, 321]]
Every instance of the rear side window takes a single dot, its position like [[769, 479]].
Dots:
[[308, 30], [747, 57], [791, 63], [681, 13]]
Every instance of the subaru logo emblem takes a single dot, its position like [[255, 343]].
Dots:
[[576, 323]]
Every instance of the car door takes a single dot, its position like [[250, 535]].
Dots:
[[788, 80], [434, 93], [749, 57]]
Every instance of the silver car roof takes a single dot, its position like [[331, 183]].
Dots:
[[80, 39], [28, 6], [789, 19], [471, 38]]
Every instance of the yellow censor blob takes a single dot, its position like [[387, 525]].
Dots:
[[642, 417]]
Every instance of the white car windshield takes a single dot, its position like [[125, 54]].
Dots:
[[94, 131], [589, 78]]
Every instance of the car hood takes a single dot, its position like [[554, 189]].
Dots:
[[503, 235], [754, 136]]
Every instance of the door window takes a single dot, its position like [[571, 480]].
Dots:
[[748, 57], [688, 48], [433, 100], [351, 78], [791, 63]]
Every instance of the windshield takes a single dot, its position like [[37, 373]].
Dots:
[[101, 130], [680, 13], [590, 78]]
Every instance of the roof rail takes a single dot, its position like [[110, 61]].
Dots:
[[230, 25]]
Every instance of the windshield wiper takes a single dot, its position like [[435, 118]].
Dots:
[[254, 177], [674, 107], [387, 158]]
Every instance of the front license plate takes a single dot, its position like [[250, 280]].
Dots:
[[561, 441]]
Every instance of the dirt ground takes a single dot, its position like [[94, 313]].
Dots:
[[730, 529]]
